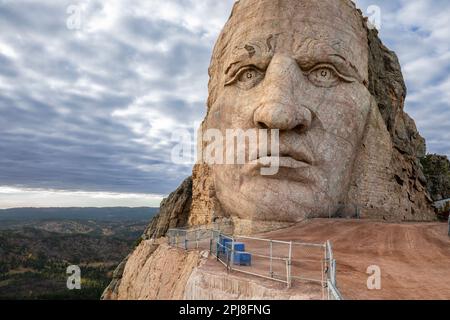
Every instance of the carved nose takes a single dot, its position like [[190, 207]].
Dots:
[[280, 107], [277, 115]]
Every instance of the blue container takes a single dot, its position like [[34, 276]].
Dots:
[[242, 259], [222, 248], [238, 246]]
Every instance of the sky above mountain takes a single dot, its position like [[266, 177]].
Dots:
[[91, 91]]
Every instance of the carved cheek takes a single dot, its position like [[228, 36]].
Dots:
[[353, 107], [235, 107], [242, 105], [342, 111]]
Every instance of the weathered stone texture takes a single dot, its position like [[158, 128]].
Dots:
[[203, 194], [377, 187], [388, 87], [409, 197], [209, 283], [437, 172], [111, 291], [173, 212], [155, 272]]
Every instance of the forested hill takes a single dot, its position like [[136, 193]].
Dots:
[[97, 214]]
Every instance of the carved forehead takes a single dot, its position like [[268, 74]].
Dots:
[[295, 26]]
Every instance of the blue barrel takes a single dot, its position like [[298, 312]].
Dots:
[[222, 245], [240, 257]]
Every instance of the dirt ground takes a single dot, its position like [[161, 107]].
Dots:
[[414, 258]]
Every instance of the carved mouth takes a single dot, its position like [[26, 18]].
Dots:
[[282, 162], [285, 168], [292, 165], [287, 158]]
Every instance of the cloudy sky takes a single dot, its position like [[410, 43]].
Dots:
[[90, 91]]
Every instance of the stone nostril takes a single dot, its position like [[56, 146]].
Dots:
[[300, 129], [262, 125]]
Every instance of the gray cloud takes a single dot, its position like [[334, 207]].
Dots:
[[94, 109], [60, 89]]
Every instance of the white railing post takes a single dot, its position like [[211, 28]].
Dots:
[[323, 266], [328, 289], [333, 273], [290, 265], [287, 273], [329, 253], [327, 267]]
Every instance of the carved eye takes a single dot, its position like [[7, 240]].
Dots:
[[247, 78], [248, 75], [324, 76]]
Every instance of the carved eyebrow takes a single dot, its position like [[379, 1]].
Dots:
[[257, 52], [312, 51], [260, 62], [338, 61], [250, 49], [347, 64]]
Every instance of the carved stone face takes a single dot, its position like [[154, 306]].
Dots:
[[299, 67]]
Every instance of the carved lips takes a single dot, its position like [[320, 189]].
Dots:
[[291, 161]]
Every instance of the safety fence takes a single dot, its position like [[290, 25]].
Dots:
[[190, 239], [259, 257], [287, 262], [332, 290]]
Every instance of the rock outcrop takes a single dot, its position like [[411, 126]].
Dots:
[[111, 290], [437, 172], [395, 185], [163, 273], [173, 212]]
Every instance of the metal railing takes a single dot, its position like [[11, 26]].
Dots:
[[264, 263], [332, 290], [189, 239], [281, 261]]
